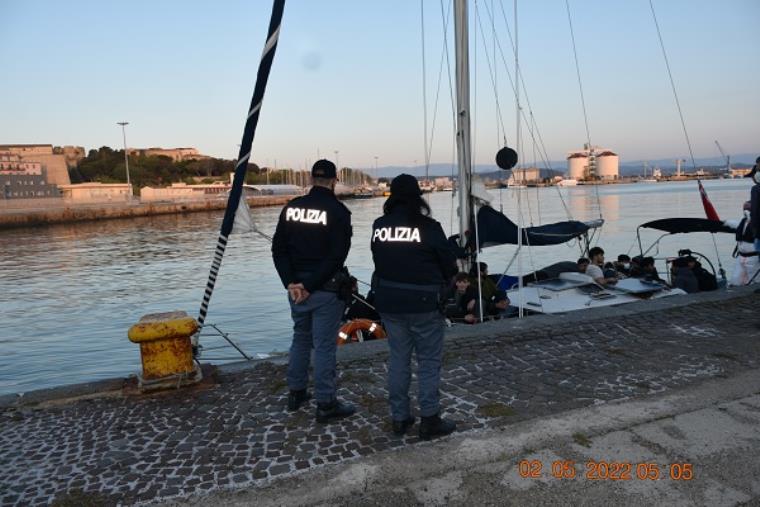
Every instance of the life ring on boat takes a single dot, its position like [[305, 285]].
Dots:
[[359, 330]]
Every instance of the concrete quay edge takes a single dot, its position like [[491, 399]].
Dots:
[[458, 333]]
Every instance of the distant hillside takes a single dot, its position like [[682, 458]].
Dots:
[[627, 168]]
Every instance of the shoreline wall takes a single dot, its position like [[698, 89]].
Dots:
[[26, 217]]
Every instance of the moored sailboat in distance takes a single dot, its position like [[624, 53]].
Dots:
[[569, 182]]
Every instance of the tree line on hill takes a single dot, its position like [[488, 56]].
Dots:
[[106, 165]]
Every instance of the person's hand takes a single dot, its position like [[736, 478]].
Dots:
[[304, 294], [292, 291], [470, 318], [295, 292], [298, 293]]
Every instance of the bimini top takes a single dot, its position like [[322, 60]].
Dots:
[[496, 229], [687, 225]]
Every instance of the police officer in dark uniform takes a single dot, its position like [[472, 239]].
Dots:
[[755, 202], [309, 248], [413, 263]]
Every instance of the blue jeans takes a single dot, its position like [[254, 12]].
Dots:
[[757, 245], [423, 334], [316, 322]]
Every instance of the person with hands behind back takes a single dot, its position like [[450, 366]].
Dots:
[[309, 248]]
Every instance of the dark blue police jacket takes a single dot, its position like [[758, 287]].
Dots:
[[312, 239], [413, 262]]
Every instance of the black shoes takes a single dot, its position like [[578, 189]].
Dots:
[[400, 427], [297, 398], [434, 426], [333, 410]]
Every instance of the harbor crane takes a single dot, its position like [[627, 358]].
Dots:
[[727, 157]]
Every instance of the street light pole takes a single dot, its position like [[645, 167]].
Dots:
[[375, 169], [337, 165], [126, 158]]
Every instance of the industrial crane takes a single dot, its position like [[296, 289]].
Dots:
[[728, 157]]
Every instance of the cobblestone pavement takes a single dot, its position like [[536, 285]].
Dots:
[[236, 433]]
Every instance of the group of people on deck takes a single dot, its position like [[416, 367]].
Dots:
[[687, 272], [474, 297]]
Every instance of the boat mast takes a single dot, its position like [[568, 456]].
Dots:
[[463, 139]]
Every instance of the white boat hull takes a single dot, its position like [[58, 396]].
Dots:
[[542, 300]]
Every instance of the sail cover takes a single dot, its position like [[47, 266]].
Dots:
[[687, 225], [496, 229]]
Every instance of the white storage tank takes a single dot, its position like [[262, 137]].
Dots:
[[576, 165], [608, 165]]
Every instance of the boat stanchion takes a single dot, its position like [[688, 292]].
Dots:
[[166, 350]]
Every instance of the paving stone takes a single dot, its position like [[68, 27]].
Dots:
[[186, 442]]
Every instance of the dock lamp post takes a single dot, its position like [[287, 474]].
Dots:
[[337, 166], [376, 170], [126, 158]]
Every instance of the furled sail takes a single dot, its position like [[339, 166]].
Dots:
[[496, 229]]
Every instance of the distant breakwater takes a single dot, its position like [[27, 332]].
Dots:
[[48, 213]]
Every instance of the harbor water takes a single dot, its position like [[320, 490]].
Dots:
[[68, 293]]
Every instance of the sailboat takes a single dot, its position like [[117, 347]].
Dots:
[[482, 226]]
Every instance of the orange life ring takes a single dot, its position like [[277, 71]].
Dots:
[[359, 330]]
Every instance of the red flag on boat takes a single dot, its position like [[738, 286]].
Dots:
[[709, 208]]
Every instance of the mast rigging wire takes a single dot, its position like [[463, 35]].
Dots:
[[543, 153], [673, 85], [578, 73], [583, 105], [429, 149], [424, 90]]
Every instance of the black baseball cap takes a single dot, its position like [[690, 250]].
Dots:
[[324, 169]]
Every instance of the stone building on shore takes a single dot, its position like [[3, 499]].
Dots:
[[56, 161], [23, 179]]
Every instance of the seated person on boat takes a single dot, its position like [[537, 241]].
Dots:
[[682, 277], [487, 285], [498, 306], [594, 269], [705, 279], [623, 265], [648, 270], [461, 303]]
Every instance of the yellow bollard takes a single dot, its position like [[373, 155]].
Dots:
[[165, 349]]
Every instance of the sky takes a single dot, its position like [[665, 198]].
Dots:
[[348, 77]]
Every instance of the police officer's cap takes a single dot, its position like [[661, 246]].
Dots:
[[323, 169], [405, 185]]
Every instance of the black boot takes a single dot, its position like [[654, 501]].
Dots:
[[434, 426], [333, 410], [400, 427], [297, 398]]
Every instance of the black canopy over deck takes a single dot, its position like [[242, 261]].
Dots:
[[687, 225]]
